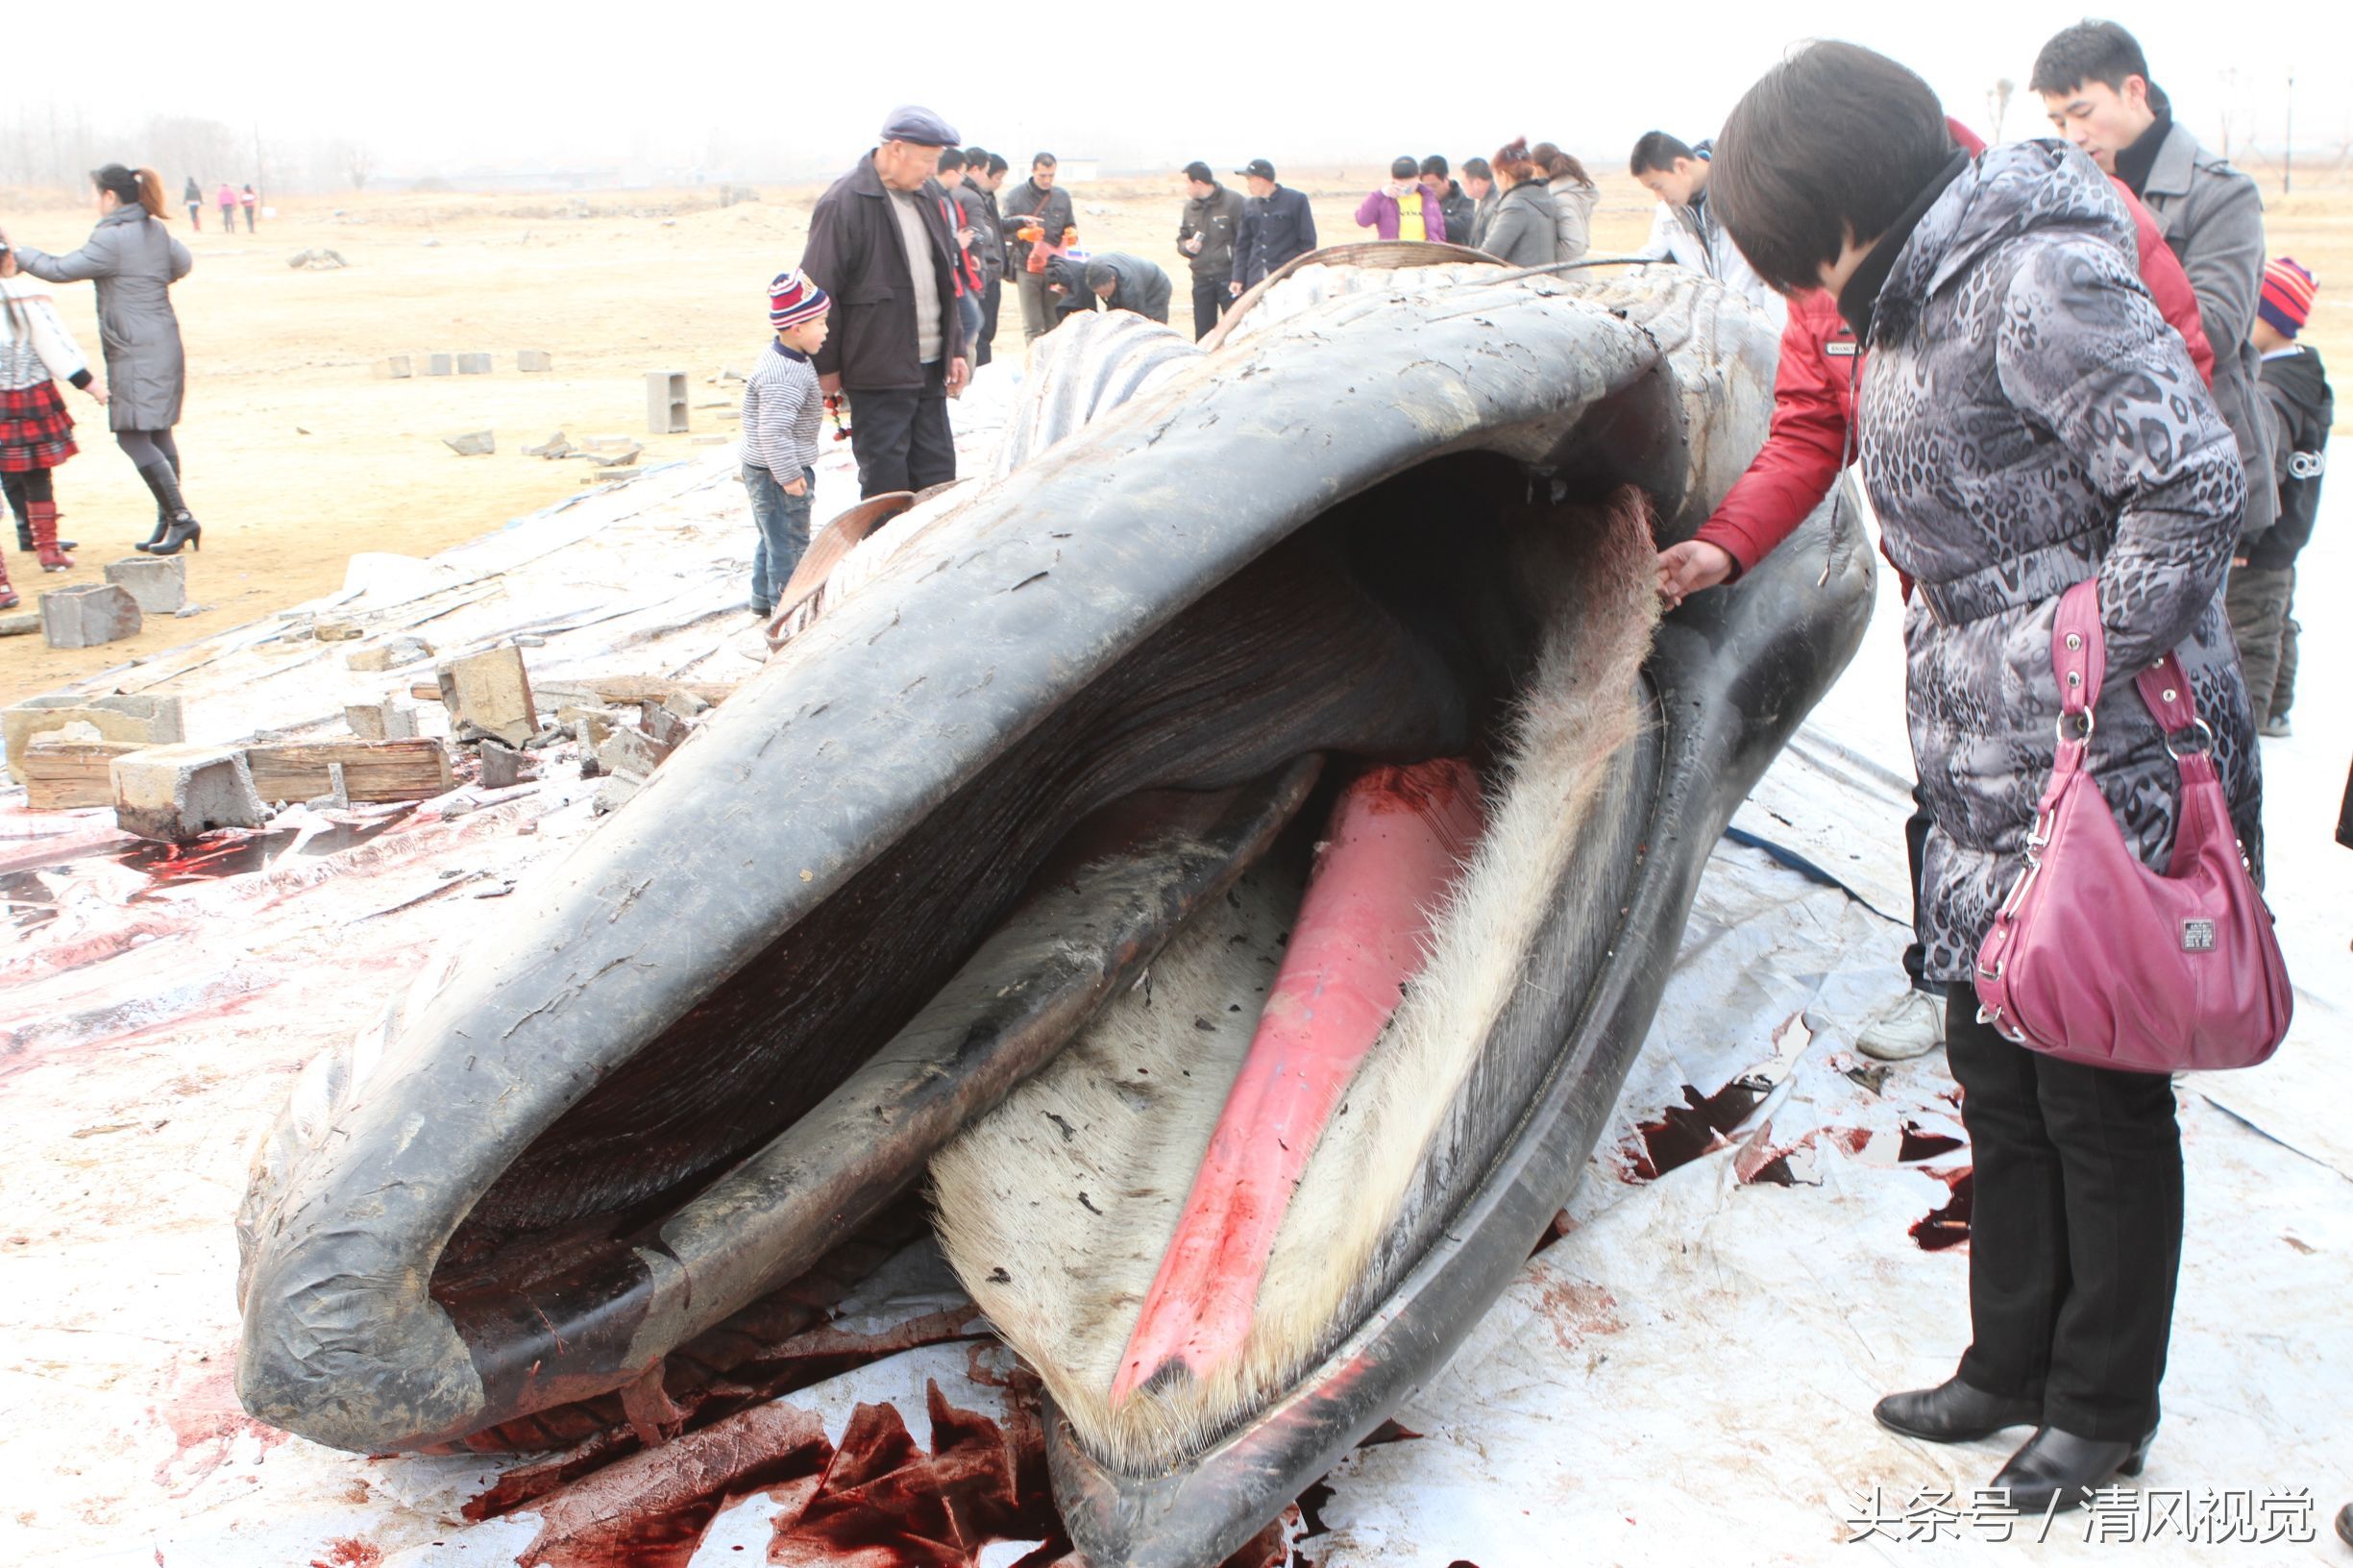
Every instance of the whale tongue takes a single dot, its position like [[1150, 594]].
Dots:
[[1398, 837]]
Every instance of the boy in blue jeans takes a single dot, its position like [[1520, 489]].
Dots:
[[781, 410]]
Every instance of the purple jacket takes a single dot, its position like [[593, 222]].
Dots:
[[1379, 213]]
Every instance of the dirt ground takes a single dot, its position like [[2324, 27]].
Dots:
[[297, 454]]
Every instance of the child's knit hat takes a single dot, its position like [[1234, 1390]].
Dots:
[[2286, 302], [793, 298]]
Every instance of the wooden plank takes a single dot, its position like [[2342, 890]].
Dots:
[[416, 770], [614, 691], [67, 775]]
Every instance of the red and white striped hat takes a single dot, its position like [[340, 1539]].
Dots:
[[793, 298]]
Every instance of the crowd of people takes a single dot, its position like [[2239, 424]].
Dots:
[[2058, 362]]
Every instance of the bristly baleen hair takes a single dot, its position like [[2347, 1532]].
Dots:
[[1056, 1209]]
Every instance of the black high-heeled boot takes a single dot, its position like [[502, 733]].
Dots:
[[2059, 1465], [1953, 1412], [185, 530], [180, 526]]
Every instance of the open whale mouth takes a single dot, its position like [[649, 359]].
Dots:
[[1200, 847]]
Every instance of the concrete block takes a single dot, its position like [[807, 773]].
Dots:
[[384, 720], [489, 694], [631, 753], [473, 365], [85, 616], [439, 364], [666, 401], [592, 726], [338, 631], [472, 444], [158, 582], [503, 766], [396, 368], [389, 654], [20, 625], [610, 443], [615, 792], [178, 793], [148, 721], [531, 360], [554, 446]]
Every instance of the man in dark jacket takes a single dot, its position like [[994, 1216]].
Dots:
[[1479, 184], [1276, 227], [976, 206], [2095, 81], [1129, 283], [1213, 220], [1462, 212], [1035, 204], [2300, 406], [879, 244]]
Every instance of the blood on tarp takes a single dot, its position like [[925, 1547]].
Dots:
[[1918, 1145], [1683, 1133], [234, 853], [1948, 1226]]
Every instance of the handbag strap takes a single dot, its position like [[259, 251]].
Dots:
[[2165, 686], [2079, 658], [2078, 648]]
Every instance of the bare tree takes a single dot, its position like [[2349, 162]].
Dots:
[[1998, 101], [358, 164], [2226, 112], [183, 146]]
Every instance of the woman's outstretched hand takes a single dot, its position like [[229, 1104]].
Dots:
[[1685, 569]]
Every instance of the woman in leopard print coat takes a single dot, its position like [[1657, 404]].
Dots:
[[2028, 421]]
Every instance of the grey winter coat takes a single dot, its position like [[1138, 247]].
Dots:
[[2029, 421], [135, 261], [1482, 217], [1573, 208], [2212, 216], [1526, 229], [976, 210]]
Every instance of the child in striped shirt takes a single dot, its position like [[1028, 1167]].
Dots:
[[782, 409]]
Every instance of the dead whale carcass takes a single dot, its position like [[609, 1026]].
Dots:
[[1056, 730]]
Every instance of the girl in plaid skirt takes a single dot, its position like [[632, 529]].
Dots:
[[36, 433]]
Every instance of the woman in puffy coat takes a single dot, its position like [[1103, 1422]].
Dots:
[[2027, 422], [1575, 196], [134, 262], [1526, 229]]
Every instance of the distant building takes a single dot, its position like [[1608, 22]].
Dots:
[[1079, 171]]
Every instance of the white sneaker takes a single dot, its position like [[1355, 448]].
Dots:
[[1912, 1025]]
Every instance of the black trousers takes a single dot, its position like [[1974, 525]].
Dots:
[[2074, 1231], [1916, 848], [990, 299], [900, 438], [1209, 302]]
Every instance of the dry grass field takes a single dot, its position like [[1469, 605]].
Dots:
[[297, 454]]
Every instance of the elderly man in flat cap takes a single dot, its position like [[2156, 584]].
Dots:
[[880, 244]]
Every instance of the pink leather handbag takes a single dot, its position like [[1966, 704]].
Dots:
[[2093, 956]]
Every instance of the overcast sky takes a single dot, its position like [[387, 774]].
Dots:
[[437, 86]]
